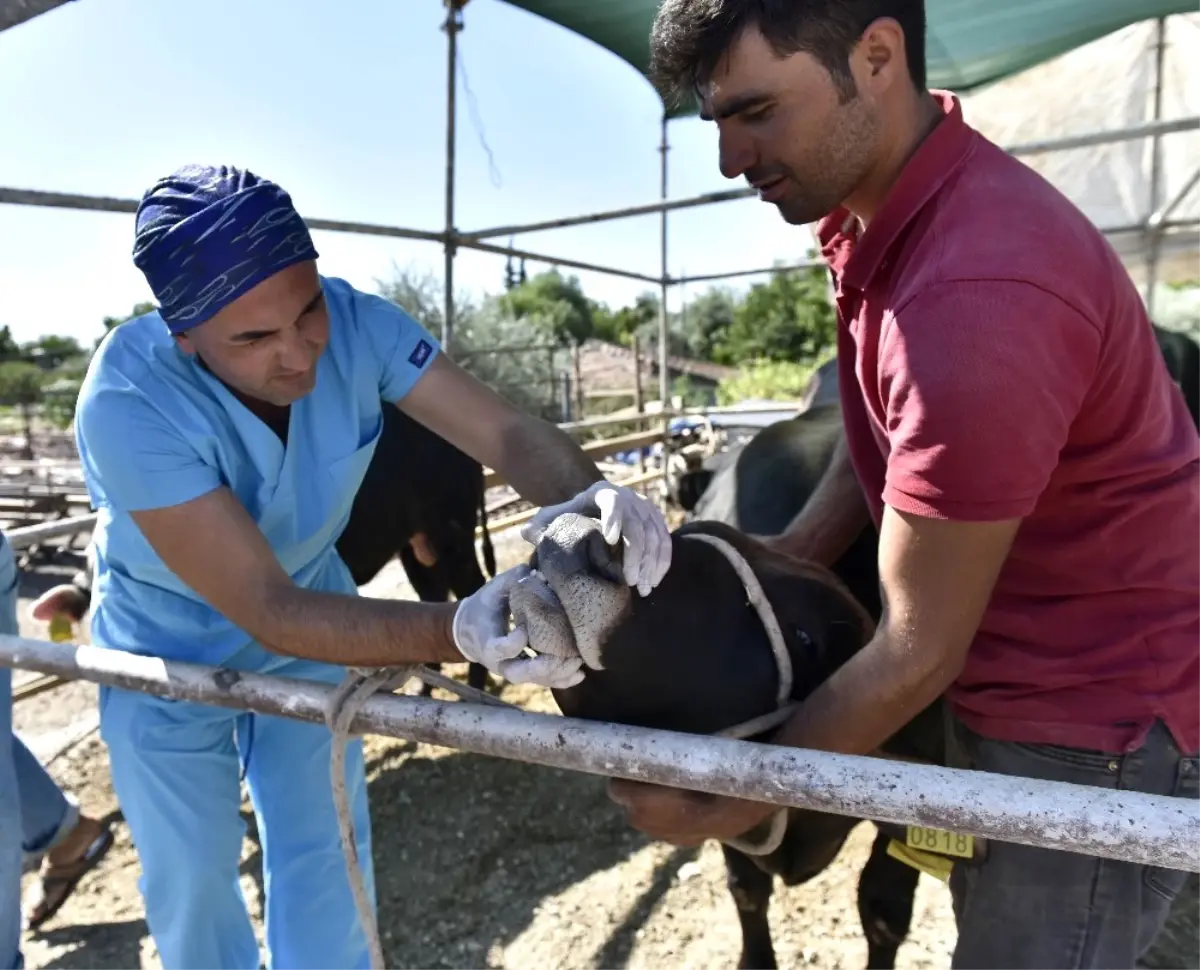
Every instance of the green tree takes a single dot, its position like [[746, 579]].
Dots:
[[52, 351], [8, 346], [554, 304], [139, 309], [489, 342], [708, 320], [21, 386], [618, 326], [768, 380], [421, 293], [788, 318]]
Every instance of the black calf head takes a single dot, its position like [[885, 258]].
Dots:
[[693, 655]]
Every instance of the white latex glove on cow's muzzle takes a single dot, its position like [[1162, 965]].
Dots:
[[625, 516], [482, 635]]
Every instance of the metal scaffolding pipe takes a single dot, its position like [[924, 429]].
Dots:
[[31, 534], [809, 264], [664, 350], [64, 200], [557, 261], [1130, 826], [100, 203], [730, 195], [452, 27], [708, 198], [1153, 236], [1158, 219], [1189, 223], [1146, 130]]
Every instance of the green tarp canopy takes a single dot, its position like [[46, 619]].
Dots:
[[969, 43]]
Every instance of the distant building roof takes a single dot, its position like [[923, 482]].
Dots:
[[606, 366]]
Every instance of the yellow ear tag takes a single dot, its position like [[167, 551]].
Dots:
[[61, 628], [934, 865]]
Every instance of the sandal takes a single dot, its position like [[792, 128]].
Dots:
[[59, 881]]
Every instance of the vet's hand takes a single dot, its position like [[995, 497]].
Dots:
[[685, 817], [481, 634], [66, 598], [624, 515]]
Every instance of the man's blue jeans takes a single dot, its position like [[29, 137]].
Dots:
[[1029, 907], [35, 815]]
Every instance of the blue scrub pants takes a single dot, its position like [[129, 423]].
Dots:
[[35, 815], [175, 769]]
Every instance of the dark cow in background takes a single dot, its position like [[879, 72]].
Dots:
[[1182, 355], [421, 499], [687, 487]]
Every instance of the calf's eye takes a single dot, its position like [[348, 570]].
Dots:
[[802, 638]]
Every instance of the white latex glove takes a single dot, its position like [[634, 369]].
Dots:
[[624, 515], [557, 673], [482, 636]]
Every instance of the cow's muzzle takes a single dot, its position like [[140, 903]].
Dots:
[[575, 593]]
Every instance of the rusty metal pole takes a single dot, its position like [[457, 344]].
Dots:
[[1153, 234], [664, 377], [1152, 830], [30, 534], [664, 382], [639, 396], [452, 26]]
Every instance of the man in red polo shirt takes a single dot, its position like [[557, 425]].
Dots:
[[1011, 430]]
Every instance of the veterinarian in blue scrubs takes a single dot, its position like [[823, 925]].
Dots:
[[223, 439]]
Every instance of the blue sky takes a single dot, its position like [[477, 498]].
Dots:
[[344, 105]]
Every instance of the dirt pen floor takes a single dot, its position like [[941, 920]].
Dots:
[[480, 862]]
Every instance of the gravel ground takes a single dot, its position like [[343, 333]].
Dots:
[[481, 863]]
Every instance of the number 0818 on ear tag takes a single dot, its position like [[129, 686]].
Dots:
[[940, 841]]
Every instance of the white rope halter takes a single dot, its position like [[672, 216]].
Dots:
[[783, 690]]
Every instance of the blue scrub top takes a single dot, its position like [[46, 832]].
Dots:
[[155, 429]]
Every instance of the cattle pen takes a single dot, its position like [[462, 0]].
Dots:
[[1117, 825], [1129, 826]]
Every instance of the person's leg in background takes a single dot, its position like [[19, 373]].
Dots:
[[68, 843], [10, 796], [1041, 908], [175, 771], [311, 919], [10, 837]]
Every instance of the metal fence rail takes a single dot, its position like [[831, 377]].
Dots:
[[31, 534], [1128, 826]]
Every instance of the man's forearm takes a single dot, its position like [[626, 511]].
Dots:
[[833, 516], [868, 699], [356, 630], [544, 464]]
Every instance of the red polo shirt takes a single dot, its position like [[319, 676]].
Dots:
[[996, 362]]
